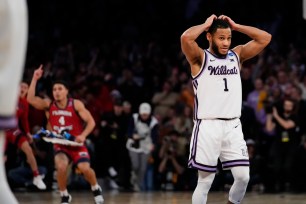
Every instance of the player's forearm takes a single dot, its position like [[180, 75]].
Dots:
[[90, 125], [194, 32], [256, 34], [31, 91]]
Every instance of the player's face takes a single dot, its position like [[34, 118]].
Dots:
[[24, 87], [60, 92], [221, 41]]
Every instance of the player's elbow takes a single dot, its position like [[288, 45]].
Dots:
[[30, 100], [267, 39], [185, 38], [92, 123]]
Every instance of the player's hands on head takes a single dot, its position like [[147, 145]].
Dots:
[[229, 20], [209, 21], [38, 72]]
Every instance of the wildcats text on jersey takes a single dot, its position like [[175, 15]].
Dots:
[[222, 70]]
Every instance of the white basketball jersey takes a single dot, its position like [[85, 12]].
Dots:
[[217, 87]]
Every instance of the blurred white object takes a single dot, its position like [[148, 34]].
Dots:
[[13, 46]]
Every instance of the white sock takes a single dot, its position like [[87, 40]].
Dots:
[[64, 193], [95, 187]]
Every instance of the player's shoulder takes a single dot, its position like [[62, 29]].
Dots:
[[76, 100], [237, 49], [77, 103]]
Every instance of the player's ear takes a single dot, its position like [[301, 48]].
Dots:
[[208, 36]]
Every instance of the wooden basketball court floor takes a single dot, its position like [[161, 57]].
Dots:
[[85, 197]]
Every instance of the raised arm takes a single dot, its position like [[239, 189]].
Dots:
[[189, 46], [260, 39], [36, 101], [87, 118]]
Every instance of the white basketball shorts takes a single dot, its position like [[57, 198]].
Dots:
[[213, 139]]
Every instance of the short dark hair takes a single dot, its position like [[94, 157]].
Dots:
[[218, 23], [62, 82]]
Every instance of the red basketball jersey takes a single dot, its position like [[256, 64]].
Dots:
[[65, 118]]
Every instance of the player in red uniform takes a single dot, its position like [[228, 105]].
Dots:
[[21, 135], [71, 114]]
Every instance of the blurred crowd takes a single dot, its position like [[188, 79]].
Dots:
[[139, 91]]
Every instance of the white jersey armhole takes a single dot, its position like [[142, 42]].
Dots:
[[202, 66], [238, 59]]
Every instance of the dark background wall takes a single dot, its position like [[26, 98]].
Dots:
[[56, 22]]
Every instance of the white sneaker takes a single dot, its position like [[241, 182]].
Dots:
[[98, 196], [66, 199], [38, 182]]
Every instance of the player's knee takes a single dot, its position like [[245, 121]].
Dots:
[[205, 180], [243, 179], [61, 167], [84, 168]]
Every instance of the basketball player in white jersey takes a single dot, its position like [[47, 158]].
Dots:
[[13, 42], [218, 100]]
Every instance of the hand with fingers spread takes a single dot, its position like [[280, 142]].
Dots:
[[209, 21], [229, 20]]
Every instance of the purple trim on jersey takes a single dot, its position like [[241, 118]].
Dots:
[[195, 105], [192, 163], [195, 84], [232, 163], [216, 55], [202, 68], [195, 113], [195, 138], [8, 122], [236, 57]]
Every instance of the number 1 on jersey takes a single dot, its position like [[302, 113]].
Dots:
[[225, 84]]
